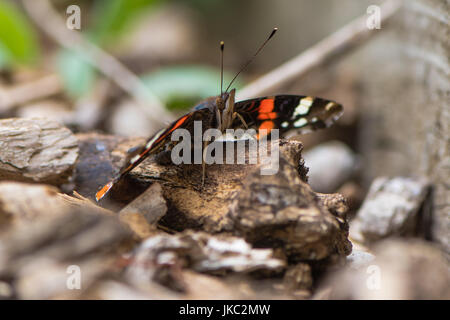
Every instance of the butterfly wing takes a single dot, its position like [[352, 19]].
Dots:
[[288, 112], [154, 144]]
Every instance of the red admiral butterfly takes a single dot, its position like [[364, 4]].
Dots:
[[284, 112]]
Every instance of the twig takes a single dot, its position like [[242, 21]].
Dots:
[[45, 16], [33, 90], [335, 45]]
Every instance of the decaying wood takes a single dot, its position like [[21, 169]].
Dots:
[[278, 211], [201, 252], [151, 205], [36, 150]]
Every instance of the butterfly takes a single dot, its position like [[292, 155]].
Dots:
[[301, 113]]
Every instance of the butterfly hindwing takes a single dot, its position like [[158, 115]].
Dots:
[[288, 112]]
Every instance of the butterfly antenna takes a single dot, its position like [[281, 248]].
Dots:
[[253, 57], [222, 45]]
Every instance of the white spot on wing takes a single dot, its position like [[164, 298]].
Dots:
[[300, 122], [303, 106], [149, 144], [329, 106], [135, 158], [285, 124]]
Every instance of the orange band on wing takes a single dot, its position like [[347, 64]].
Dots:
[[100, 194], [267, 116], [266, 106], [267, 126], [175, 126]]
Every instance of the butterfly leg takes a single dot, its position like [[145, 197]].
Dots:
[[240, 118]]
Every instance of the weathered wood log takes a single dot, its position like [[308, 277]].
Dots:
[[37, 150], [403, 99]]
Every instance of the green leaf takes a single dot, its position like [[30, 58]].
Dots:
[[113, 17], [180, 87], [77, 74], [17, 37]]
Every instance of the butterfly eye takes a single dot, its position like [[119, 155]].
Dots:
[[220, 103]]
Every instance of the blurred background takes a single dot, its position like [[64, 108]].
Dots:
[[172, 45], [131, 66]]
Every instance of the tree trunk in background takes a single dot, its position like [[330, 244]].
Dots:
[[404, 103]]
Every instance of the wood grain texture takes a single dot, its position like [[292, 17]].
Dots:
[[36, 150]]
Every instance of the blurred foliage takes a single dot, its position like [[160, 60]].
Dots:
[[77, 73], [180, 87], [17, 38], [110, 19], [114, 17]]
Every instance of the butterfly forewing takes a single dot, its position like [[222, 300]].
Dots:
[[288, 112]]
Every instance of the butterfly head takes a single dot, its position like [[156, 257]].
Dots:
[[221, 100]]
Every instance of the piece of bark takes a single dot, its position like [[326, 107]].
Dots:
[[150, 204], [37, 150], [135, 221], [391, 208], [402, 270], [282, 211], [174, 260], [201, 252]]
